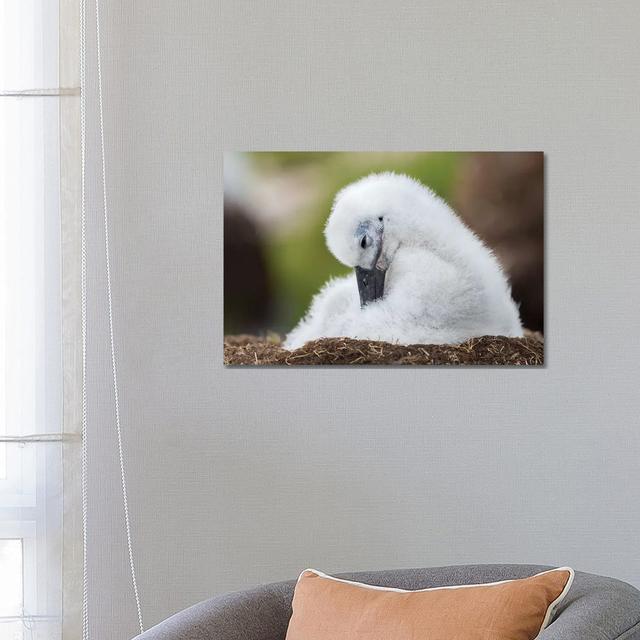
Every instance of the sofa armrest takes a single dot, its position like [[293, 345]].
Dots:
[[258, 614], [597, 608]]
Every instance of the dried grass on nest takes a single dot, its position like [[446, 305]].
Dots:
[[488, 350]]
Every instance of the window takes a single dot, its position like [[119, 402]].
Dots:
[[31, 333], [30, 376]]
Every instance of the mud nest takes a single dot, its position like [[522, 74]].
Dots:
[[488, 350]]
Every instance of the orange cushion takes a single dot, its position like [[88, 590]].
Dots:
[[326, 608]]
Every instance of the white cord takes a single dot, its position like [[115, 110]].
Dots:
[[83, 288], [113, 351]]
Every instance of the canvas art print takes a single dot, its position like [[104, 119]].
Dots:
[[384, 258]]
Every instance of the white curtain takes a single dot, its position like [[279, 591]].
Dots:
[[40, 550]]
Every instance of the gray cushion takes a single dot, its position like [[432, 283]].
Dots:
[[596, 608]]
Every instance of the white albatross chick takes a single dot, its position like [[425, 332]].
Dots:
[[421, 275]]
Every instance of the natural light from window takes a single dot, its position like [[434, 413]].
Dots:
[[30, 326]]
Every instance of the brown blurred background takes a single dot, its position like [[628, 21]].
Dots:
[[276, 205]]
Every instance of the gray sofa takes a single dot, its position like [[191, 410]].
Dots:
[[596, 608]]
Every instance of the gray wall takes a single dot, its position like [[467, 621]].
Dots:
[[242, 476]]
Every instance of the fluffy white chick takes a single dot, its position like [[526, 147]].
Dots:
[[421, 276]]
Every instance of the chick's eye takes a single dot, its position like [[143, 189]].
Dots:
[[366, 241]]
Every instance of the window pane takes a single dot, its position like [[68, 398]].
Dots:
[[30, 300], [3, 460], [31, 540], [27, 630], [12, 630], [11, 589], [29, 44]]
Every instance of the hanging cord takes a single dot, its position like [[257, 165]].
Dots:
[[111, 338], [83, 288]]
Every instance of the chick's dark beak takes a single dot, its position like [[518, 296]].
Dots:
[[370, 284]]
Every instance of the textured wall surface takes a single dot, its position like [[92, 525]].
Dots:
[[239, 477]]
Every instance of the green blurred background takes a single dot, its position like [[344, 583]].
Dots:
[[277, 203]]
